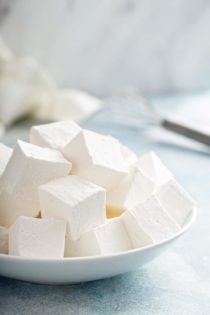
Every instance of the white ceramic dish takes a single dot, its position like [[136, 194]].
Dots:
[[73, 270]]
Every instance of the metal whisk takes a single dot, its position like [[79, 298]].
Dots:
[[133, 110]]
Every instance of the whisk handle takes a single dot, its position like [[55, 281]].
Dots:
[[186, 131]]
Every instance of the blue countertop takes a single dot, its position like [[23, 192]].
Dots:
[[177, 282]]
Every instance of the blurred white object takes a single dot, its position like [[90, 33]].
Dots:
[[26, 87], [3, 240], [71, 104], [5, 53], [2, 129]]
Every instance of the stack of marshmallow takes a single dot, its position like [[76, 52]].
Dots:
[[55, 193]]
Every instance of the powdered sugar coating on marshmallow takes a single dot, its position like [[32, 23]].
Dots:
[[29, 167], [79, 202], [54, 135], [97, 158], [37, 238]]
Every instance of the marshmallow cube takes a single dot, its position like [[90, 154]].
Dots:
[[5, 154], [148, 223], [37, 238], [96, 158], [79, 202], [176, 201], [135, 188], [152, 167], [128, 155], [108, 238], [54, 135], [29, 167], [4, 235]]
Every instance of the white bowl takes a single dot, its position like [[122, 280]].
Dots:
[[73, 270]]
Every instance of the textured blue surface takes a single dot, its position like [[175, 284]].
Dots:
[[177, 282]]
